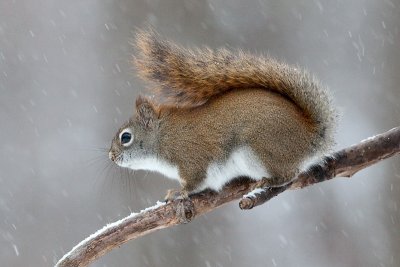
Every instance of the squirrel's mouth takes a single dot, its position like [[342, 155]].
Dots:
[[116, 158], [125, 162]]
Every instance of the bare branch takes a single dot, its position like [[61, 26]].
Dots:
[[344, 163]]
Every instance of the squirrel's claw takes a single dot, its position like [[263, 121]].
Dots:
[[174, 194], [263, 183], [275, 181]]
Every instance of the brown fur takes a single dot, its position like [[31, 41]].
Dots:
[[215, 101], [189, 78], [280, 135]]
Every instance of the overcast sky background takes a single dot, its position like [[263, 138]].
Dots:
[[66, 85]]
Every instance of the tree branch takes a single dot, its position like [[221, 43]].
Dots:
[[344, 163]]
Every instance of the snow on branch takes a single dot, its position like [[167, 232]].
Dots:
[[343, 163]]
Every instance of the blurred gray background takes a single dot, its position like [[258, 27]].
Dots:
[[66, 85]]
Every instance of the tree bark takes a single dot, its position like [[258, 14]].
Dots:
[[343, 163]]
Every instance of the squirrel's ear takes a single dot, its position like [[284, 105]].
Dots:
[[146, 112]]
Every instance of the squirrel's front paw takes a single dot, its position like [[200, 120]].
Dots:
[[174, 194], [184, 207]]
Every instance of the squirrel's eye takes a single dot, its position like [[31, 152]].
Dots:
[[125, 137]]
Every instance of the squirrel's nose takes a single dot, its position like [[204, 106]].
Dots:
[[111, 156]]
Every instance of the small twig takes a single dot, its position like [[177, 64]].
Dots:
[[345, 162]]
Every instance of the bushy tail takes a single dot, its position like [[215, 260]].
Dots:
[[188, 78]]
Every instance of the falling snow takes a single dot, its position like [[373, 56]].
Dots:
[[16, 249], [67, 84]]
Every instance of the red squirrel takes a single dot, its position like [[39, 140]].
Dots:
[[220, 115]]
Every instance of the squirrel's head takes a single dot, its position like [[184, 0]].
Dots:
[[136, 139]]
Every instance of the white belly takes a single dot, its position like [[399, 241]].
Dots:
[[154, 164], [242, 162]]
